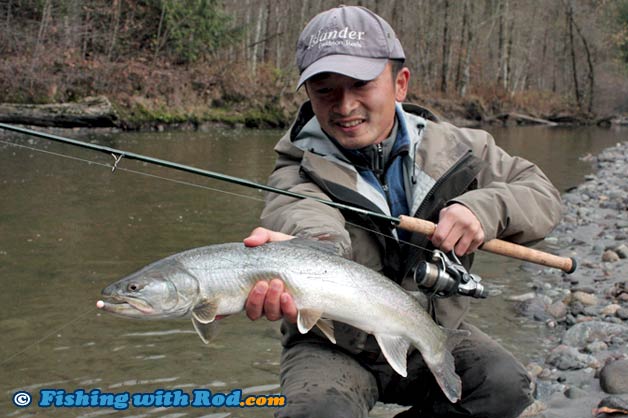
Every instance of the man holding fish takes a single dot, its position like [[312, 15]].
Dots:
[[354, 142]]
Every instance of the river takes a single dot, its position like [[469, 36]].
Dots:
[[69, 227]]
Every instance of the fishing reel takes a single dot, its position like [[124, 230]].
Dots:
[[446, 276]]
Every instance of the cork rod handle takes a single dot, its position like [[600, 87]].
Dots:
[[497, 246]]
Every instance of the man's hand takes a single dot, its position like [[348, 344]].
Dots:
[[458, 229], [269, 299]]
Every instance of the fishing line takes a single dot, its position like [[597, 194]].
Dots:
[[143, 173], [186, 183], [45, 337]]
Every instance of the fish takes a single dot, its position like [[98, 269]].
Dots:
[[213, 281]]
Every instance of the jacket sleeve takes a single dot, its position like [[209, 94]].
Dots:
[[514, 200], [303, 217]]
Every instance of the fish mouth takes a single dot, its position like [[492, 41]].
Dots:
[[125, 305]]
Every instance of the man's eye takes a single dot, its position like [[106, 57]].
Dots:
[[323, 90]]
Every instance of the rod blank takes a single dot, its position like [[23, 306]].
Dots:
[[408, 223]]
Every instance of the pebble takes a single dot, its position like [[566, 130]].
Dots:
[[596, 346], [534, 369], [610, 310], [610, 256], [581, 334], [622, 313], [575, 393], [557, 309], [569, 358], [587, 299], [621, 250], [614, 377]]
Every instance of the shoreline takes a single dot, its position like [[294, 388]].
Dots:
[[588, 309], [100, 113]]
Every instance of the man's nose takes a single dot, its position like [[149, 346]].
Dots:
[[346, 102]]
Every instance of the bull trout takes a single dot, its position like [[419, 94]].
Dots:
[[215, 280]]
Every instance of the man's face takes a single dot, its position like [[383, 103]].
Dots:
[[357, 113]]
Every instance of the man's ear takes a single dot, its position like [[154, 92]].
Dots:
[[401, 84]]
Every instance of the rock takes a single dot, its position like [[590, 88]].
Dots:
[[521, 298], [591, 311], [545, 389], [533, 410], [534, 308], [621, 251], [575, 393], [596, 346], [610, 406], [587, 299], [534, 369], [610, 256], [546, 374], [614, 377], [569, 358], [585, 332], [576, 308], [557, 309], [610, 310], [622, 313]]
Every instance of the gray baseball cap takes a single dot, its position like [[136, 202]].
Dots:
[[347, 40]]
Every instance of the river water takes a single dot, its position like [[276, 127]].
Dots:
[[69, 227]]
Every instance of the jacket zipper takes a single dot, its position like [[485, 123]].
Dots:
[[379, 170]]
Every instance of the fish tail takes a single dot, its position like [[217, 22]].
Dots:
[[445, 370], [446, 377]]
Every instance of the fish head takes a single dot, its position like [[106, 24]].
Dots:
[[163, 290]]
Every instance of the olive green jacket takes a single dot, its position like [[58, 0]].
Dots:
[[510, 196]]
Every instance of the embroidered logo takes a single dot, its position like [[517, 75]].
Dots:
[[346, 37]]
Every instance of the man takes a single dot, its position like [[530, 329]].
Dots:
[[354, 143]]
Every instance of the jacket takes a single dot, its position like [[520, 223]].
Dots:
[[510, 196]]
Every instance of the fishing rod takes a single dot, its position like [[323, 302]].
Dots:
[[495, 246]]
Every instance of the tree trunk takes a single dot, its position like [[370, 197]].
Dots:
[[117, 11], [258, 34], [572, 51], [501, 42], [445, 62], [591, 75], [463, 44], [89, 112], [464, 83]]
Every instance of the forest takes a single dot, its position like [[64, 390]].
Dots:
[[233, 61]]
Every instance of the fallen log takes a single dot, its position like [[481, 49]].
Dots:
[[511, 119], [88, 112]]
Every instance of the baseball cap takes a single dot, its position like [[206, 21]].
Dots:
[[348, 40]]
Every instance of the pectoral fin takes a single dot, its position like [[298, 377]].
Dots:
[[207, 331], [395, 350], [205, 311]]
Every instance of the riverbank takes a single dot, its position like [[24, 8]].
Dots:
[[141, 114], [588, 309]]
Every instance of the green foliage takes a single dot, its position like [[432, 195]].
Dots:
[[195, 28]]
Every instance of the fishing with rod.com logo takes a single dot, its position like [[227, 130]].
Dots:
[[160, 398]]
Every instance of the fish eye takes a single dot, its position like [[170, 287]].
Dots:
[[133, 287]]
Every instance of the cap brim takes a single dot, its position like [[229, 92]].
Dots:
[[360, 68]]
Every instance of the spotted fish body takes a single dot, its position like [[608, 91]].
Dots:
[[215, 280]]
